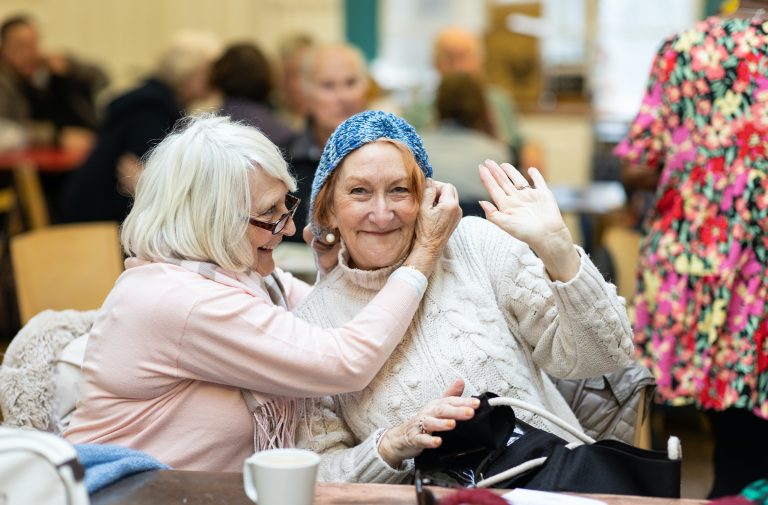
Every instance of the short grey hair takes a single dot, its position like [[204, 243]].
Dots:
[[313, 52], [193, 197], [188, 52]]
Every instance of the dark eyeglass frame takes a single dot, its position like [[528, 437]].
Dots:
[[423, 495], [291, 203]]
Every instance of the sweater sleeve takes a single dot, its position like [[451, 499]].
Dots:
[[239, 340], [342, 458], [576, 329], [295, 289]]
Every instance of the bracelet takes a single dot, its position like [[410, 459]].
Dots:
[[379, 436]]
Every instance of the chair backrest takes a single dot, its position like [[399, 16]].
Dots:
[[623, 245], [65, 267], [31, 195]]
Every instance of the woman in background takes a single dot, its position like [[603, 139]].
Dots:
[[701, 321], [101, 189], [244, 77]]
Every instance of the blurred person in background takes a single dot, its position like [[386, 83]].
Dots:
[[463, 138], [458, 50], [291, 94], [101, 189], [52, 96], [335, 84], [244, 77], [701, 318]]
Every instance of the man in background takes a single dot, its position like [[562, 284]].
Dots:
[[44, 93], [335, 82], [457, 50]]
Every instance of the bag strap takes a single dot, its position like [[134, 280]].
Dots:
[[520, 404], [512, 472], [505, 401]]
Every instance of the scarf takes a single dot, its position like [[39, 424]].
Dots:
[[275, 418]]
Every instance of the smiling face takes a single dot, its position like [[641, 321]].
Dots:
[[375, 205], [267, 205]]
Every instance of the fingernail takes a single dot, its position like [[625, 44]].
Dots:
[[450, 423], [469, 412], [475, 402]]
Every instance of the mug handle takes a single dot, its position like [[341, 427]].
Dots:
[[250, 488]]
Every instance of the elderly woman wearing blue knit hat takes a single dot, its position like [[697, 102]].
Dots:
[[511, 298]]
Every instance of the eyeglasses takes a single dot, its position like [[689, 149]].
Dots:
[[291, 203], [423, 495]]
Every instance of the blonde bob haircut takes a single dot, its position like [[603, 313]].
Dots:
[[323, 208], [193, 197]]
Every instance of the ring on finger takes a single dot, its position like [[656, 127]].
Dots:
[[524, 187], [421, 426]]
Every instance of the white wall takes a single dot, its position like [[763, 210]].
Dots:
[[125, 36]]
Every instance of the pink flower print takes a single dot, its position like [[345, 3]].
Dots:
[[759, 109], [744, 304], [641, 315], [704, 107], [708, 59], [745, 42], [716, 32], [673, 94], [688, 89], [720, 134], [702, 87]]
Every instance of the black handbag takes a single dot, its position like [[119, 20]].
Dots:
[[495, 449]]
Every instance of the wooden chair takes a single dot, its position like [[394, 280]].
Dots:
[[643, 423], [65, 267], [623, 245], [31, 196]]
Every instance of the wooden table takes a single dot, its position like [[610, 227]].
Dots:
[[39, 173], [172, 487], [44, 159]]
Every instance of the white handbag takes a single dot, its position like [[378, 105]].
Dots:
[[38, 468]]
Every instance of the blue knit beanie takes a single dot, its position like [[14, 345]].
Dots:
[[362, 129]]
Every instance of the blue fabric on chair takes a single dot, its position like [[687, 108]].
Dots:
[[106, 464]]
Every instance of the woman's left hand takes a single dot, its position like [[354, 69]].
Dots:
[[530, 214], [409, 439]]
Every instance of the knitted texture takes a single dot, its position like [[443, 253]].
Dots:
[[362, 129], [27, 376], [490, 316]]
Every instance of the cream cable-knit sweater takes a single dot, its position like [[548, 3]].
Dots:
[[490, 316]]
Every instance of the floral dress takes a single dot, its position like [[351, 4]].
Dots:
[[700, 311]]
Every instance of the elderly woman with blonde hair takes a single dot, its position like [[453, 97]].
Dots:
[[510, 298], [195, 357]]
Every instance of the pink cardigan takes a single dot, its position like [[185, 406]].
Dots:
[[170, 351]]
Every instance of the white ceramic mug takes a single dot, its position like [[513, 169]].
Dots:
[[281, 476]]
